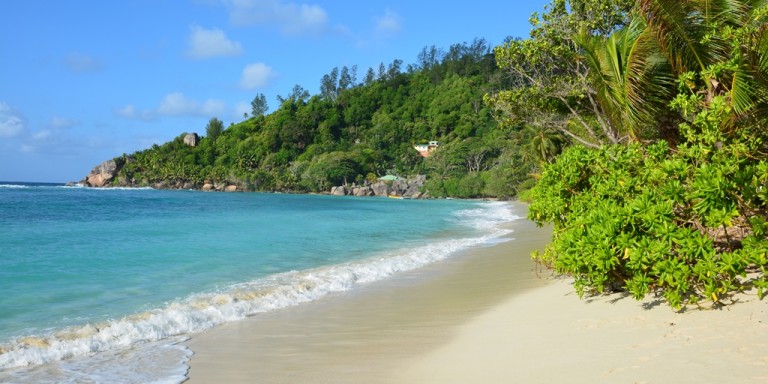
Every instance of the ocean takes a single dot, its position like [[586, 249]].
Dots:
[[105, 285]]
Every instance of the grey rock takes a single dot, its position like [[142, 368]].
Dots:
[[102, 174], [362, 191], [380, 188], [191, 139], [339, 191]]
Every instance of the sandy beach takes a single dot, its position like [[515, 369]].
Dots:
[[486, 316]]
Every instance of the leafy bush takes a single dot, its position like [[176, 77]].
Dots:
[[687, 223]]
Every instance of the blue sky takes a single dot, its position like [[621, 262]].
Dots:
[[83, 81]]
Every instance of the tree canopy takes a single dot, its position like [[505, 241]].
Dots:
[[352, 132]]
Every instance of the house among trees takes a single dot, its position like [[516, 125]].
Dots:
[[426, 149]]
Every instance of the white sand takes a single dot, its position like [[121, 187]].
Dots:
[[550, 336], [486, 318]]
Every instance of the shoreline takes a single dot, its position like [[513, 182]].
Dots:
[[485, 316], [368, 332]]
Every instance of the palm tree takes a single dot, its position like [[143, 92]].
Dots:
[[633, 71], [542, 143], [631, 81], [724, 41]]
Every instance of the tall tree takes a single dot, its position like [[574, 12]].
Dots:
[[298, 95], [259, 105], [214, 128], [370, 76], [328, 85], [430, 57], [382, 72], [630, 80], [551, 80], [347, 77]]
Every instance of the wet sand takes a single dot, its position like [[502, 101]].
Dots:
[[365, 334]]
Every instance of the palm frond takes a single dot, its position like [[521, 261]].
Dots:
[[682, 29], [650, 84]]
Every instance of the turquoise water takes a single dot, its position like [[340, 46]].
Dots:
[[95, 280]]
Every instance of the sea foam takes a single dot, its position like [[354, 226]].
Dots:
[[82, 353]]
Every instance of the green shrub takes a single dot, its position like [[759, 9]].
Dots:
[[687, 223]]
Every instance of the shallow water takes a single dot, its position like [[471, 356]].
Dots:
[[99, 282]]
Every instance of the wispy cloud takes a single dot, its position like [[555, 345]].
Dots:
[[79, 62], [12, 122], [205, 43], [58, 122], [256, 75], [388, 24], [175, 104], [54, 131], [290, 18]]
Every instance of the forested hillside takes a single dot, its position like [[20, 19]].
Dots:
[[360, 126], [643, 121]]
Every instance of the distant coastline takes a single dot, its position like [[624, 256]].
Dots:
[[6, 184]]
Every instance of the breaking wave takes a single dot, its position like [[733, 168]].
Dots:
[[202, 311]]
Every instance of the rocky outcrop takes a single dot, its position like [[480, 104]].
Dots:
[[410, 188], [106, 175], [339, 191], [102, 174], [362, 191], [191, 139], [414, 187]]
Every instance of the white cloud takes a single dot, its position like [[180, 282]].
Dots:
[[11, 121], [388, 24], [256, 75], [205, 43], [82, 63], [129, 112], [290, 18], [42, 135], [176, 104], [58, 122]]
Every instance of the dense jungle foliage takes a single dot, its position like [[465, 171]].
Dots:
[[353, 131], [666, 191]]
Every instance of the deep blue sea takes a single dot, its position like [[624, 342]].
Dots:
[[96, 283]]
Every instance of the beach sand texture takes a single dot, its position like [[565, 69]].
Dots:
[[486, 317]]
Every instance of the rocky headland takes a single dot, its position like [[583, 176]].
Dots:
[[107, 175]]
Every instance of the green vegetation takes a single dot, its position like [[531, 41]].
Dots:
[[667, 191], [643, 122], [356, 131]]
